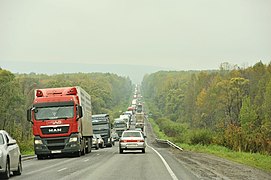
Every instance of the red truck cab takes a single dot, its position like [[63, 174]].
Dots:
[[61, 121]]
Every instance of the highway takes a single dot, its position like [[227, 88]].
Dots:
[[108, 164], [159, 162]]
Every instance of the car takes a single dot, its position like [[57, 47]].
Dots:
[[138, 129], [132, 140], [115, 136], [95, 143], [10, 156], [100, 141]]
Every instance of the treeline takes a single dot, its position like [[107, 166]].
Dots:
[[229, 107], [109, 93]]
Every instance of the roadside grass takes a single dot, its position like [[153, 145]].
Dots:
[[28, 153], [27, 147], [157, 131], [256, 160]]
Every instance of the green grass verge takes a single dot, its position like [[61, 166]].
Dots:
[[27, 147], [28, 153], [256, 160], [159, 134]]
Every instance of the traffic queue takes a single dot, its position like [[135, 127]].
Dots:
[[60, 124]]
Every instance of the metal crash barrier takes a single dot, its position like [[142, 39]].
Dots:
[[162, 141]]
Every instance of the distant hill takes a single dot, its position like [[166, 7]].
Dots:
[[134, 72]]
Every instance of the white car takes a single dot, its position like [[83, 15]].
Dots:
[[10, 156], [132, 140]]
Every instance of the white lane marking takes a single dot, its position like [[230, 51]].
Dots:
[[174, 177], [61, 169], [86, 160]]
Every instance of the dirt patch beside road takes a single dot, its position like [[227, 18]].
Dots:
[[206, 166]]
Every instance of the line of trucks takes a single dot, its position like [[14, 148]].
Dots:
[[62, 122], [123, 123]]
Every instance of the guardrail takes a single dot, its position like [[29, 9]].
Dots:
[[169, 143], [28, 157]]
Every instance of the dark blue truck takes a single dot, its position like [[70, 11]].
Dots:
[[101, 125]]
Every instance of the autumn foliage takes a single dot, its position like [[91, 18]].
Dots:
[[229, 107]]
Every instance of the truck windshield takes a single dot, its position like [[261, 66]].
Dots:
[[99, 118], [100, 127], [119, 125], [48, 113]]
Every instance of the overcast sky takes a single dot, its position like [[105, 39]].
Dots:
[[176, 34]]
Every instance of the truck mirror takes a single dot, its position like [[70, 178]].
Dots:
[[29, 115], [79, 111]]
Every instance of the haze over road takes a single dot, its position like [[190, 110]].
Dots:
[[176, 34]]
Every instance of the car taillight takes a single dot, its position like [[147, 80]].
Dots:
[[131, 140]]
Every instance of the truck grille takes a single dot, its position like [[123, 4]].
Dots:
[[55, 129], [55, 141], [51, 148]]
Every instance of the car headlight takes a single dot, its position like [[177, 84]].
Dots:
[[38, 141], [73, 139], [1, 153]]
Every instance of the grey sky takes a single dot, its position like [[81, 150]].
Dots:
[[177, 34]]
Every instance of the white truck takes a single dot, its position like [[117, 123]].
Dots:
[[119, 125], [126, 118], [140, 120]]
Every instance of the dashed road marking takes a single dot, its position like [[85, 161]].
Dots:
[[63, 169]]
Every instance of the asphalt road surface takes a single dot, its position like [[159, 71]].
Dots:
[[104, 163], [157, 163], [108, 164]]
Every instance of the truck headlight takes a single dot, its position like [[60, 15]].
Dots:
[[108, 140], [73, 139], [38, 141]]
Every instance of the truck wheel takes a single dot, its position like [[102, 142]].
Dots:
[[83, 152], [88, 149], [39, 157], [77, 154], [109, 145]]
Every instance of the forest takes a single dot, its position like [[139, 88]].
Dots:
[[110, 94], [229, 107]]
